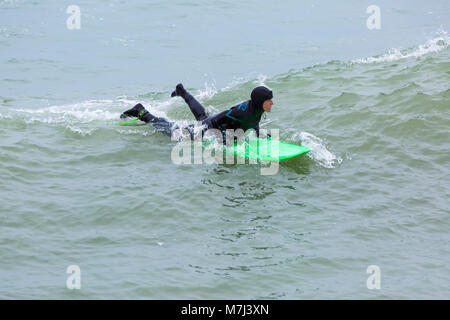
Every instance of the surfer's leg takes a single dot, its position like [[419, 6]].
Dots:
[[160, 124], [140, 112], [196, 108]]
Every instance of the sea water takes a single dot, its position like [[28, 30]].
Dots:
[[77, 189]]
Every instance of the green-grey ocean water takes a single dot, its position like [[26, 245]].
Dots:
[[78, 189]]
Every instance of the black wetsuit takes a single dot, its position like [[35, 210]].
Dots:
[[245, 115]]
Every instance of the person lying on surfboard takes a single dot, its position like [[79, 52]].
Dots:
[[245, 115]]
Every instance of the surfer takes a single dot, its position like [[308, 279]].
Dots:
[[245, 115]]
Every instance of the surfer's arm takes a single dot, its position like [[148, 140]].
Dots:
[[257, 132]]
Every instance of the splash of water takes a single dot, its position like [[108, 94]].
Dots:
[[319, 152], [431, 46]]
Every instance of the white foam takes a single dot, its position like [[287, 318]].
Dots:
[[80, 112], [47, 120], [126, 101], [237, 81], [261, 80], [4, 116], [319, 151], [134, 132], [431, 46], [83, 132], [75, 115], [208, 92]]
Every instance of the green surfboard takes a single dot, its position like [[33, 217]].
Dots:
[[266, 149], [257, 148]]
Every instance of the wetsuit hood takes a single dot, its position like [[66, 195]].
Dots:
[[259, 95]]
